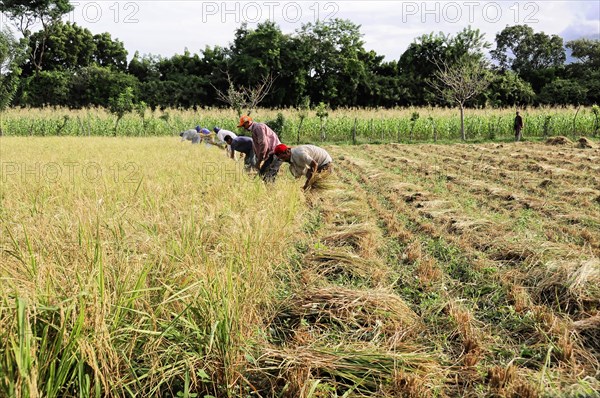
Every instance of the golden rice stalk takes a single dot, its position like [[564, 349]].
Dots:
[[361, 313]]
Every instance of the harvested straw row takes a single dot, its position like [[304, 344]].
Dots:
[[360, 313], [574, 286], [361, 371], [340, 262]]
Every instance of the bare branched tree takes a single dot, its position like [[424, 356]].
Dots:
[[245, 97], [460, 82]]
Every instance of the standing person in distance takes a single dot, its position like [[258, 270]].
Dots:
[[518, 127], [264, 141], [305, 160]]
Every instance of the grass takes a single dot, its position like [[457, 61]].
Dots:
[[136, 277], [150, 267]]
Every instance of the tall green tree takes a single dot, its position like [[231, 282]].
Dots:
[[11, 54], [145, 68], [109, 53], [587, 51], [256, 53], [383, 85], [335, 69], [522, 50], [214, 61], [267, 51], [535, 57], [508, 89], [26, 13], [68, 47], [188, 72], [586, 70], [419, 63]]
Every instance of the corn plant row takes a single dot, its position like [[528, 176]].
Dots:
[[339, 126]]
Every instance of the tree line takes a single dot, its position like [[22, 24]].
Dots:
[[64, 64]]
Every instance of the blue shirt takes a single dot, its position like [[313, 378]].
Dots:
[[242, 144]]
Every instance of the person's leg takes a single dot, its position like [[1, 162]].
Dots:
[[252, 159], [265, 166], [271, 170], [249, 161]]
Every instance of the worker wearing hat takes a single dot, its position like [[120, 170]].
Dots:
[[264, 141], [304, 160], [206, 135]]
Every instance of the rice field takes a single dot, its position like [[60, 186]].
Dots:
[[142, 267], [362, 126]]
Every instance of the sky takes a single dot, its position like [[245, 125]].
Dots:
[[163, 27]]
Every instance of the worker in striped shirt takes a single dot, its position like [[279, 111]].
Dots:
[[264, 141]]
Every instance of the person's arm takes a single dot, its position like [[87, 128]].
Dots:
[[231, 154], [309, 173]]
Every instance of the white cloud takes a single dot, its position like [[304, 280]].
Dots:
[[168, 27]]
